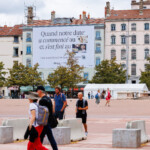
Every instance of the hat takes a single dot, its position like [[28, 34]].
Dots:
[[40, 88], [33, 96]]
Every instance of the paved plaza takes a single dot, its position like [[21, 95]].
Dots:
[[101, 121]]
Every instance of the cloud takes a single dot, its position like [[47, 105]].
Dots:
[[12, 11]]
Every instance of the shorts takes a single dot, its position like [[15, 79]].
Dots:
[[83, 117]]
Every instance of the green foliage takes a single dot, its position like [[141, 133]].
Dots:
[[17, 75], [145, 75], [75, 71], [21, 75], [68, 76], [2, 75], [33, 77], [109, 72], [59, 77]]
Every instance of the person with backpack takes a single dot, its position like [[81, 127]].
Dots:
[[97, 97], [60, 103], [81, 108], [34, 130], [46, 101]]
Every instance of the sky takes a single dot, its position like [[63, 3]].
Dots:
[[13, 11]]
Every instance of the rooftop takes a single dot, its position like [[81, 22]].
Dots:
[[11, 31], [73, 22], [128, 14]]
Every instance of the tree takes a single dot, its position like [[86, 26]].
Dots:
[[2, 75], [59, 77], [109, 72], [145, 75], [75, 71], [33, 77], [17, 76]]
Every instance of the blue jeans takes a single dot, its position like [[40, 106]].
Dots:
[[48, 131], [59, 115]]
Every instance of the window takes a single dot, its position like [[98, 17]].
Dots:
[[133, 54], [123, 54], [123, 66], [146, 26], [133, 69], [16, 39], [113, 39], [133, 26], [113, 27], [28, 62], [133, 39], [98, 47], [113, 54], [21, 53], [98, 35], [146, 53], [28, 39], [86, 76], [123, 27], [28, 52], [123, 39], [146, 39], [16, 52], [98, 61]]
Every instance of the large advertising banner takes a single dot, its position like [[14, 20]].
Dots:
[[50, 45]]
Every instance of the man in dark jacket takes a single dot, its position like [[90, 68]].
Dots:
[[46, 101]]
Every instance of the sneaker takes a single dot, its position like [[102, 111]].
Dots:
[[86, 133]]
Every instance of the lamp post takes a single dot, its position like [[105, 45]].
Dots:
[[127, 56]]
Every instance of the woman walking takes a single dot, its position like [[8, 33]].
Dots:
[[108, 98], [34, 130]]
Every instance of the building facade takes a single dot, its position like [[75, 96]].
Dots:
[[127, 38], [83, 20], [10, 48]]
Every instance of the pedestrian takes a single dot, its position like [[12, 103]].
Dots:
[[97, 97], [46, 101], [60, 103], [81, 111], [34, 129], [108, 98], [89, 95]]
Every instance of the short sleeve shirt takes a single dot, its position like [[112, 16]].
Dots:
[[80, 104], [33, 106], [59, 101]]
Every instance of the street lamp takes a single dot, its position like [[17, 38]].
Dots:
[[127, 56]]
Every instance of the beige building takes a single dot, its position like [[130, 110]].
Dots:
[[127, 37], [84, 20], [10, 48]]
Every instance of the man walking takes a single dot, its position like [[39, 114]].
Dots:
[[81, 107], [46, 101], [60, 103]]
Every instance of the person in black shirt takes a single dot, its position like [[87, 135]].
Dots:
[[81, 107], [46, 101]]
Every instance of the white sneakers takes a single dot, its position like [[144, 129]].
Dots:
[[86, 133]]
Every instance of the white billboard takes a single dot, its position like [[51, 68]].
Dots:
[[50, 45]]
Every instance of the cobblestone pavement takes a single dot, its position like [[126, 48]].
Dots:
[[101, 121]]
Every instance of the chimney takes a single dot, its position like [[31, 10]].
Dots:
[[133, 2], [52, 16], [30, 15], [141, 7], [107, 9], [88, 16], [84, 16], [80, 17]]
